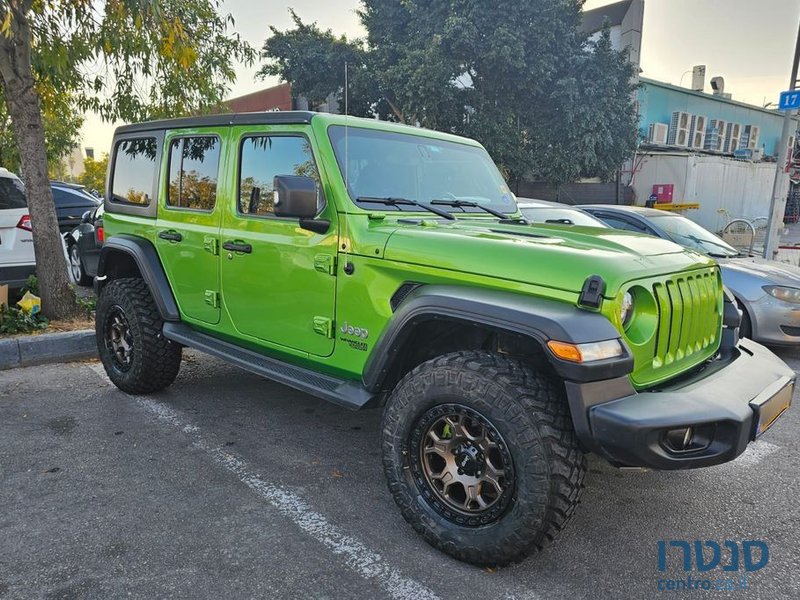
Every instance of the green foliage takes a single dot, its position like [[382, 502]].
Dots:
[[131, 60], [62, 120], [88, 304], [94, 174], [31, 285], [548, 102], [14, 320]]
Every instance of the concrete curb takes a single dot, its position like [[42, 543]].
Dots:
[[47, 348]]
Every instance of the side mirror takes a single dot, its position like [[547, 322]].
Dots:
[[295, 197], [86, 217]]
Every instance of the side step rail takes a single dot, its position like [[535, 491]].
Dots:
[[350, 394]]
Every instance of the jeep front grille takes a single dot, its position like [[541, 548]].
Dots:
[[689, 309]]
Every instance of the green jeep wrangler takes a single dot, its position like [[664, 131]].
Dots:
[[373, 264]]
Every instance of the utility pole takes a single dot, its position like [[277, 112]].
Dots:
[[777, 206]]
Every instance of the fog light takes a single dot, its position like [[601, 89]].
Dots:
[[680, 439]]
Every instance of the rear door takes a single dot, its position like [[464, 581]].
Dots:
[[187, 227]]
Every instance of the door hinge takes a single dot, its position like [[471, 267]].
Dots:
[[323, 326], [210, 244], [212, 298], [325, 263]]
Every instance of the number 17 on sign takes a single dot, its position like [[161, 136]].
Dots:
[[789, 100]]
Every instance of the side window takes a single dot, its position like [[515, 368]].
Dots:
[[134, 170], [193, 172], [264, 157]]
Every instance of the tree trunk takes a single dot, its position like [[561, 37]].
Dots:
[[24, 108]]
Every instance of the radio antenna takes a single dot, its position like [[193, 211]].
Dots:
[[348, 267]]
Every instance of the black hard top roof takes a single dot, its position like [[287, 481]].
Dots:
[[289, 117]]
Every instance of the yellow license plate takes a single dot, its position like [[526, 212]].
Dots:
[[768, 411]]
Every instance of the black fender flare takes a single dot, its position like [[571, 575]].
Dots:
[[144, 254], [530, 316]]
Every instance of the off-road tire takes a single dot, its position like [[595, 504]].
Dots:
[[530, 411], [155, 360]]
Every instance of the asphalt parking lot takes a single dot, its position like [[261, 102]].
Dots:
[[230, 486]]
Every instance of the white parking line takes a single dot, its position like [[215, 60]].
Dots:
[[357, 556], [755, 453]]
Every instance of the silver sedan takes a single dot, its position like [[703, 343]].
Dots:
[[768, 292]]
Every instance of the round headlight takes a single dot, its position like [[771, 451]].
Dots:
[[626, 309]]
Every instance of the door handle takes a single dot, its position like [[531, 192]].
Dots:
[[237, 247], [172, 236]]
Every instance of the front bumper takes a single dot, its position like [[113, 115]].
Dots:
[[722, 404]]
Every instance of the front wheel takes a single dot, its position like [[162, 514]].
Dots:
[[137, 357], [481, 456]]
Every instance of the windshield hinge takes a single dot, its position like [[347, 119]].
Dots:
[[592, 293], [325, 263]]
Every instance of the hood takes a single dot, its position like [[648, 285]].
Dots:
[[772, 272], [554, 256]]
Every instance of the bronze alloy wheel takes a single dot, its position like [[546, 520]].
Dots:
[[118, 338], [462, 465]]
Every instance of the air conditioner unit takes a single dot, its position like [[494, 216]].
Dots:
[[679, 127], [658, 133], [697, 131], [733, 132], [715, 135]]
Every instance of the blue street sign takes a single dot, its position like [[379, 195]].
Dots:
[[789, 100]]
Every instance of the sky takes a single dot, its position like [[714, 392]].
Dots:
[[748, 42]]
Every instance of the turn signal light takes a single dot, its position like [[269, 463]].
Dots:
[[581, 353]]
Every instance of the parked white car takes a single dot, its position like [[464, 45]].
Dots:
[[17, 260]]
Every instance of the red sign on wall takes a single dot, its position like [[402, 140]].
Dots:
[[663, 192]]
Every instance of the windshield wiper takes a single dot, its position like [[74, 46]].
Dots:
[[470, 204], [701, 241], [389, 201]]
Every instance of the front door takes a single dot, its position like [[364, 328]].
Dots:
[[187, 229], [278, 280]]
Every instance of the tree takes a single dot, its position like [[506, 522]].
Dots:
[[94, 174], [547, 101], [125, 59]]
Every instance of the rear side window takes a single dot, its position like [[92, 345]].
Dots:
[[134, 170], [12, 193], [264, 157], [193, 171], [66, 197]]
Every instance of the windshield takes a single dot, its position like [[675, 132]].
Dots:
[[687, 233], [560, 216], [386, 165]]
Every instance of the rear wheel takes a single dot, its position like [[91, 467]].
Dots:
[[481, 456], [76, 269], [137, 357]]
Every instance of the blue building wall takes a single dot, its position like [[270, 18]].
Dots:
[[657, 102]]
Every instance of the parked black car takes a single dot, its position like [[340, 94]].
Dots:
[[83, 246], [72, 201]]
